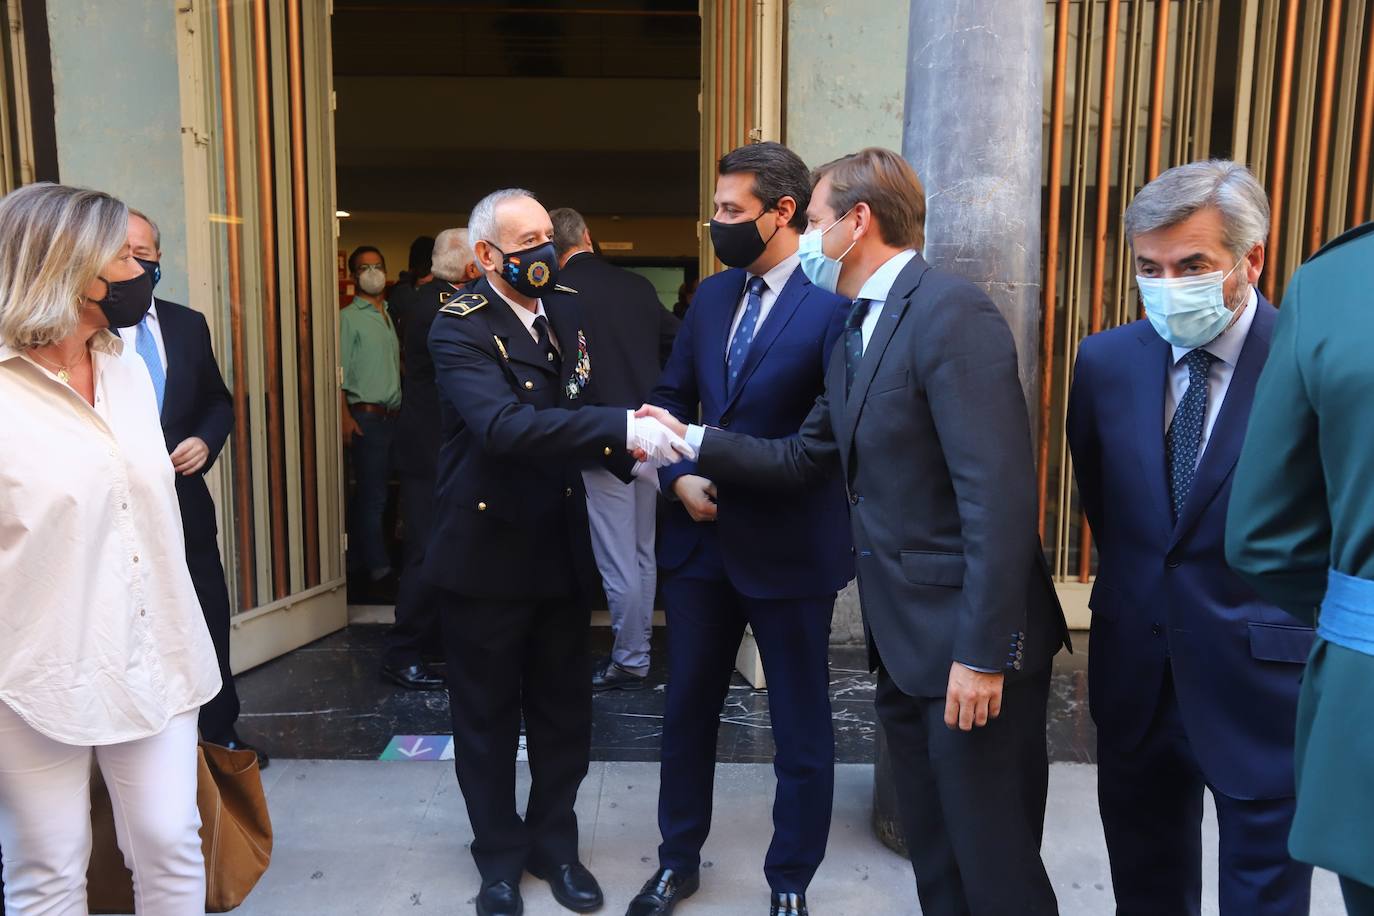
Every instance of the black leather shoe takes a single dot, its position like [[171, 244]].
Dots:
[[664, 891], [610, 676], [235, 743], [573, 886], [788, 905], [500, 898], [414, 677]]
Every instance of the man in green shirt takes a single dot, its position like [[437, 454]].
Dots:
[[370, 354], [1301, 530]]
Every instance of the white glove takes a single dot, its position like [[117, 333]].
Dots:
[[659, 444]]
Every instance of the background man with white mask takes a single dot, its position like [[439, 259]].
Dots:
[[1193, 679], [370, 354]]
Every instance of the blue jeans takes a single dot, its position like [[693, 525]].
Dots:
[[371, 458]]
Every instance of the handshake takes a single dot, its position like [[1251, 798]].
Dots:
[[656, 438]]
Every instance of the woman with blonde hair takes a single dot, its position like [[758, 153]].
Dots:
[[103, 650]]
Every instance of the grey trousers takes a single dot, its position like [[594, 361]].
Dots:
[[622, 523]]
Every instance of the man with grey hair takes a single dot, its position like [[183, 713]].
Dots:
[[632, 334], [514, 373], [1193, 678], [416, 453]]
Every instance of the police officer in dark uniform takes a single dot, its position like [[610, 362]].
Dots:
[[415, 455], [510, 538]]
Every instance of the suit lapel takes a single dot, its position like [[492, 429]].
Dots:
[[510, 330], [790, 297], [1148, 386], [898, 299], [1228, 433]]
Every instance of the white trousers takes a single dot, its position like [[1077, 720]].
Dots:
[[45, 819], [622, 521]]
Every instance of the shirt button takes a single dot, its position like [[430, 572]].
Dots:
[[143, 612], [123, 505], [529, 386], [481, 507], [135, 558]]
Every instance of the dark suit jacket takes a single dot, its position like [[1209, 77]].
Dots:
[[416, 449], [510, 518], [773, 544], [1164, 594], [195, 403], [934, 445], [627, 327]]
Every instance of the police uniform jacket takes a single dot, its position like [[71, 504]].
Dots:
[[511, 513]]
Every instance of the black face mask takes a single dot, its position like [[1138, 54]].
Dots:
[[127, 301], [739, 244], [531, 272], [152, 269]]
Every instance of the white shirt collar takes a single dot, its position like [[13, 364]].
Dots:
[[879, 286], [525, 315], [1228, 345], [777, 276]]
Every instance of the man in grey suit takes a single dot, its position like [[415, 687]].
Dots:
[[924, 415]]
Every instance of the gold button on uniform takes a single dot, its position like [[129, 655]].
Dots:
[[481, 507], [607, 451], [529, 385]]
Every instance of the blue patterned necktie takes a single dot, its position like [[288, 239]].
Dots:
[[744, 334], [1184, 438], [147, 348], [854, 340]]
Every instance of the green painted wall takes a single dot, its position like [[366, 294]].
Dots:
[[116, 96], [846, 73]]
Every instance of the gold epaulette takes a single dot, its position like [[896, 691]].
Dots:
[[464, 305]]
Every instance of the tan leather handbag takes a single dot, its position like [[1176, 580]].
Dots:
[[235, 835]]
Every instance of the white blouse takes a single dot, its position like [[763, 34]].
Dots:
[[101, 635]]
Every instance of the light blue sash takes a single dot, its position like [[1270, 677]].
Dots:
[[1347, 615]]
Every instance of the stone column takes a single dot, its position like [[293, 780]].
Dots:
[[972, 131]]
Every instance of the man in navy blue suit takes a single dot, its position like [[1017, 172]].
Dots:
[[197, 411], [751, 355], [1193, 679]]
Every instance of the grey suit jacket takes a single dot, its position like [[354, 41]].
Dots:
[[935, 446]]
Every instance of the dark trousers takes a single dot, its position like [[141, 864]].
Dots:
[[416, 631], [217, 717], [505, 659], [370, 455], [973, 803], [706, 620], [1151, 802]]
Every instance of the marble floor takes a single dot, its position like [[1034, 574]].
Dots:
[[326, 701]]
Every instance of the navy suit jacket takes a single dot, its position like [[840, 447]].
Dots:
[[774, 544], [195, 403], [1164, 593]]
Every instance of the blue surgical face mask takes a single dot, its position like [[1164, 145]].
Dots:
[[821, 270], [1188, 312]]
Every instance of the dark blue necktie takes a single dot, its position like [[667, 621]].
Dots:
[[1184, 438], [854, 341], [744, 334]]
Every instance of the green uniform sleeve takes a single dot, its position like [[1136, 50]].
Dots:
[[1278, 532]]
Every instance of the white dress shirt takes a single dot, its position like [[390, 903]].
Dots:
[[774, 280], [878, 287], [101, 635], [1226, 349], [130, 338]]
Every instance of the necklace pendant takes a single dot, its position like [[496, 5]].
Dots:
[[64, 376]]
